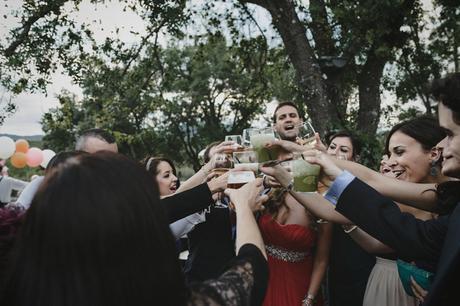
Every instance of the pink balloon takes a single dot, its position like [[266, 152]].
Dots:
[[34, 157]]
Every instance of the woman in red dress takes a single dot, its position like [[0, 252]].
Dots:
[[298, 252]]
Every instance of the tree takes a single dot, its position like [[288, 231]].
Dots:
[[190, 96]]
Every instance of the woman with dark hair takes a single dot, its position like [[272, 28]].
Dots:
[[349, 265], [434, 240], [413, 157], [165, 178], [96, 234]]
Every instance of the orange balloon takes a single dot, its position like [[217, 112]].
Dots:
[[19, 160], [22, 145]]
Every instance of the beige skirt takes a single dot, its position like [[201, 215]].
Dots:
[[384, 287]]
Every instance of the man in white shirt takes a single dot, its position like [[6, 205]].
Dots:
[[7, 185]]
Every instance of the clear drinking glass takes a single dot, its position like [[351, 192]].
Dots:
[[235, 138], [306, 133], [246, 160], [259, 138], [246, 141]]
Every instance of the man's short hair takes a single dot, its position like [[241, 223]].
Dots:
[[96, 133], [446, 90], [285, 103]]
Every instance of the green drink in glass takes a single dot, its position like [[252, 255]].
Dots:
[[258, 142], [305, 176]]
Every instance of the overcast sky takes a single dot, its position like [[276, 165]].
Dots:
[[31, 107]]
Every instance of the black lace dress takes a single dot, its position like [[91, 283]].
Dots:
[[243, 283]]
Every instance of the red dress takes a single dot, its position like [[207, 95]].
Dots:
[[290, 261]]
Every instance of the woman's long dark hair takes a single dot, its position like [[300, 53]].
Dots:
[[151, 163], [424, 129], [95, 234]]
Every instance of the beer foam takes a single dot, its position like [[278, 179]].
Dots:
[[240, 177]]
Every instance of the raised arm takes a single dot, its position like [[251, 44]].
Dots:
[[246, 199], [313, 202], [422, 196]]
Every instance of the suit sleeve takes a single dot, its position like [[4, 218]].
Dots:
[[185, 203], [411, 238]]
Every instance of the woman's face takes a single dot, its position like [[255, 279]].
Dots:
[[167, 181], [408, 160], [341, 148]]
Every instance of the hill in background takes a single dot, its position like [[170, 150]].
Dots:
[[28, 138]]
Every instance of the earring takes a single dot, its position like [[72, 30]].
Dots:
[[433, 168]]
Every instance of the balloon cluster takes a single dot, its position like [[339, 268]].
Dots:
[[21, 154]]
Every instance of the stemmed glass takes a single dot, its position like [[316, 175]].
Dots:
[[306, 133], [235, 138], [246, 141]]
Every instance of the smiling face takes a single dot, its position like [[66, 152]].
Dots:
[[451, 144], [167, 181], [341, 147], [287, 122], [408, 160]]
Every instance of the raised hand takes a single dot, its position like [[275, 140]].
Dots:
[[248, 196]]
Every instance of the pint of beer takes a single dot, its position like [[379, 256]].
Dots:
[[237, 179]]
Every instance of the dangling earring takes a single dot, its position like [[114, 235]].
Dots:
[[433, 169]]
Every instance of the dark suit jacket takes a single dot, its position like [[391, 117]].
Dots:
[[434, 240], [185, 203]]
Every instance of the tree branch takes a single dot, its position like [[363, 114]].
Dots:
[[51, 6]]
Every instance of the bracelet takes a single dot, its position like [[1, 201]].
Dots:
[[290, 185], [308, 299], [350, 229]]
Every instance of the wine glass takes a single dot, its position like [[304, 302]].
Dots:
[[235, 138], [246, 139], [306, 134]]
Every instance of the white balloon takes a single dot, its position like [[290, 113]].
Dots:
[[7, 147], [47, 155]]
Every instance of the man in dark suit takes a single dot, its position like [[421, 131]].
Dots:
[[413, 239]]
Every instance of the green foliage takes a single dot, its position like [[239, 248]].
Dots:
[[171, 101]]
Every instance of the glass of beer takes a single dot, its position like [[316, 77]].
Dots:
[[259, 138], [236, 179], [222, 163]]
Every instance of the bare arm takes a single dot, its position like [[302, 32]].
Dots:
[[313, 202], [369, 243], [247, 230], [197, 179], [420, 196], [321, 260]]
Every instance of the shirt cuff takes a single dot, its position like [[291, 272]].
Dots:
[[339, 185]]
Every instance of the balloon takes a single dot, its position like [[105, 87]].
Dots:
[[18, 160], [7, 147], [34, 157], [22, 145], [47, 155]]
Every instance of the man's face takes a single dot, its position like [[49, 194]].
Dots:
[[451, 144], [287, 122], [94, 144]]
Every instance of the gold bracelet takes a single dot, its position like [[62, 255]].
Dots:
[[349, 230]]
